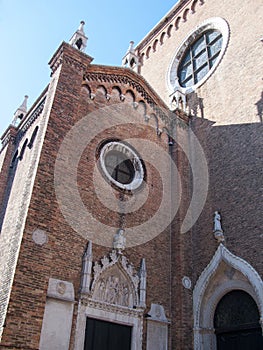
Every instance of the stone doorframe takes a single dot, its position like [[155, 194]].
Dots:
[[112, 290], [224, 273], [110, 313]]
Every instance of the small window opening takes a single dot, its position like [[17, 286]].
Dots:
[[14, 159], [30, 145], [79, 43], [132, 63], [21, 155]]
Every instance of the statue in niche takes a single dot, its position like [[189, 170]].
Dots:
[[218, 232], [119, 241]]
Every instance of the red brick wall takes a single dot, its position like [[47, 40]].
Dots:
[[61, 257]]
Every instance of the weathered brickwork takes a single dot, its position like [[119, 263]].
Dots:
[[216, 158], [61, 256]]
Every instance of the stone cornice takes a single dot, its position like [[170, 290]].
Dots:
[[31, 118], [125, 76], [85, 300], [179, 6], [8, 136]]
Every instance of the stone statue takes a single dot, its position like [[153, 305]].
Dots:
[[218, 232], [119, 241]]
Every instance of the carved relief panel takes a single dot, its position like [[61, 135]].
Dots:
[[114, 287]]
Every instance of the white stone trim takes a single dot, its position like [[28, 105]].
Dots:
[[186, 282], [95, 305], [62, 290], [130, 154], [204, 337], [110, 313], [16, 234], [216, 23], [157, 328]]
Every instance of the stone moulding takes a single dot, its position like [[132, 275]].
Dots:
[[168, 25], [63, 55], [119, 78], [214, 23], [31, 118], [115, 274], [254, 286], [116, 294], [124, 80], [108, 313]]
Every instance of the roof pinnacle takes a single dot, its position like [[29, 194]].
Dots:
[[79, 39], [20, 112]]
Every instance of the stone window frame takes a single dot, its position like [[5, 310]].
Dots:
[[130, 154], [215, 23]]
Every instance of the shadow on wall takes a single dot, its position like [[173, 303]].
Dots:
[[11, 176], [259, 105], [234, 157], [195, 103]]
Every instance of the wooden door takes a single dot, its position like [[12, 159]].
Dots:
[[236, 322], [102, 335]]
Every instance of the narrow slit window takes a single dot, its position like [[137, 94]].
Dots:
[[30, 145]]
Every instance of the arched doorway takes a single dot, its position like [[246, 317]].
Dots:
[[224, 273], [236, 322]]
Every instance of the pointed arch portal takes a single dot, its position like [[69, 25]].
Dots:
[[224, 275], [236, 322]]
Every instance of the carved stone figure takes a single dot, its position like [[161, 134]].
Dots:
[[101, 291], [116, 281], [119, 241], [112, 290], [218, 232]]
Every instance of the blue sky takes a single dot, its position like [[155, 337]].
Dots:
[[31, 31]]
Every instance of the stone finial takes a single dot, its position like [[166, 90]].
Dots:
[[131, 60], [131, 48], [79, 39], [86, 269], [119, 241], [218, 232], [20, 112]]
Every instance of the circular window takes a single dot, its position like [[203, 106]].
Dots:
[[198, 56], [121, 165]]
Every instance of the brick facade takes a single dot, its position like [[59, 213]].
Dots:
[[57, 191]]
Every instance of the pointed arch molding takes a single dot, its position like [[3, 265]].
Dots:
[[203, 330], [115, 291], [118, 276]]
